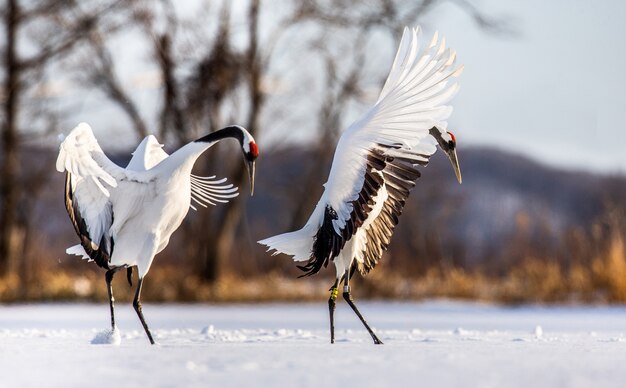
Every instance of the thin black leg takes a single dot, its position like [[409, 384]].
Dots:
[[109, 278], [137, 306], [331, 309], [348, 298], [129, 276]]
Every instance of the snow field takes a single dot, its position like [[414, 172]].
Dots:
[[433, 344]]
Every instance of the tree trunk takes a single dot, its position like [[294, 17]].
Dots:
[[224, 235], [10, 164], [219, 250]]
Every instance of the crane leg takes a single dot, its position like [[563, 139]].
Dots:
[[348, 298], [331, 309], [109, 279], [137, 306]]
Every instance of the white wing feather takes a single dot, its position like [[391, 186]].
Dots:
[[411, 102], [81, 155], [92, 176], [148, 154], [210, 190], [78, 250]]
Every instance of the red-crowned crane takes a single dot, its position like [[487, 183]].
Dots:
[[374, 169], [125, 216]]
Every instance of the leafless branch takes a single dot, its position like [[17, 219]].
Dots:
[[102, 74]]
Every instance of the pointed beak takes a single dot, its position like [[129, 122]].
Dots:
[[455, 164], [251, 167]]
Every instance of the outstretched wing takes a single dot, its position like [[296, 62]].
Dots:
[[90, 176], [204, 190], [411, 102], [148, 154], [374, 165], [81, 155]]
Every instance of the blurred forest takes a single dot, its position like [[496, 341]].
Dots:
[[515, 231]]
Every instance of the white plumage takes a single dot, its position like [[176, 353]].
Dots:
[[125, 216], [204, 190], [374, 165]]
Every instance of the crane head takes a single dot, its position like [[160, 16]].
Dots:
[[250, 152], [248, 146], [447, 142]]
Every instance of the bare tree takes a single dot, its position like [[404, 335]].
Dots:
[[339, 91], [52, 29], [217, 248], [101, 73], [217, 80], [196, 99]]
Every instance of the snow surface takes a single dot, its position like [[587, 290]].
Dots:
[[432, 344]]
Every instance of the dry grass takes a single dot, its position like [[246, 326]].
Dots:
[[601, 279], [609, 271]]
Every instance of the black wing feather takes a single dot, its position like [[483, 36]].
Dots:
[[399, 175], [99, 255], [327, 244]]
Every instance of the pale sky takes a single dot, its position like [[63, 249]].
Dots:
[[554, 92]]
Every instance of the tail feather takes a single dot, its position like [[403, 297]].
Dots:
[[297, 244], [78, 250]]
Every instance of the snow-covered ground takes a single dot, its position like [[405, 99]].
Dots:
[[432, 344]]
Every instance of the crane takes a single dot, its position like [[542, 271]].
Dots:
[[125, 216], [375, 167]]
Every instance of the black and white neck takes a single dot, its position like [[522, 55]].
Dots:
[[184, 158]]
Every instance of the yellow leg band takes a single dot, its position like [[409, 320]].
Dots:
[[333, 293]]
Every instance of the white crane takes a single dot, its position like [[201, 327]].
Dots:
[[374, 168], [125, 216]]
